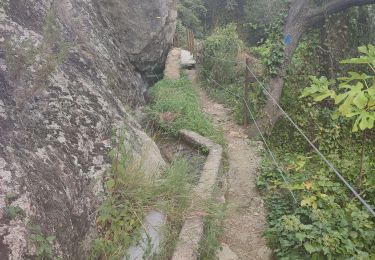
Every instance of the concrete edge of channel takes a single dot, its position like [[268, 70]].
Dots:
[[192, 231]]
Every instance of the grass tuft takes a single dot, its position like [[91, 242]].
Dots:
[[176, 106], [130, 194]]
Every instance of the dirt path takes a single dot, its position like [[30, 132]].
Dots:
[[246, 215]]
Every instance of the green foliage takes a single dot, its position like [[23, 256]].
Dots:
[[325, 223], [191, 13], [13, 211], [272, 55], [219, 49], [176, 106], [356, 94], [271, 51], [130, 194], [327, 240], [43, 244], [213, 228]]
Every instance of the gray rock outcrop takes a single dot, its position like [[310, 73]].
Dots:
[[70, 73]]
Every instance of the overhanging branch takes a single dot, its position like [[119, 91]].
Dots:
[[318, 14]]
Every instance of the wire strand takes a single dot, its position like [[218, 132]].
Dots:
[[355, 193], [278, 167], [270, 152], [330, 165]]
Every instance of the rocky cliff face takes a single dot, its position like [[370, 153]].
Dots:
[[70, 72]]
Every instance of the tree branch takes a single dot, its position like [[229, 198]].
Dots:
[[318, 14]]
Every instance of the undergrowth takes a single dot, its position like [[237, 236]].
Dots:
[[176, 106], [326, 221], [130, 194], [223, 77], [213, 229], [43, 244]]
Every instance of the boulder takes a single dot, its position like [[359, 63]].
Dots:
[[71, 71]]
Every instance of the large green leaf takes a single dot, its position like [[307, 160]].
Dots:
[[369, 57], [354, 76], [360, 100]]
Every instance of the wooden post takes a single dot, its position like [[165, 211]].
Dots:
[[176, 40], [191, 41], [246, 93], [192, 44], [188, 40]]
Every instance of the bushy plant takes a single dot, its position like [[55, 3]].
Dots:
[[219, 51], [190, 14], [356, 94], [326, 222]]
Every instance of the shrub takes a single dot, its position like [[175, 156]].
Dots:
[[222, 47]]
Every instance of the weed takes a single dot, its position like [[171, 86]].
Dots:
[[43, 244], [213, 228], [176, 106], [119, 216], [9, 197], [175, 188], [13, 211], [130, 194]]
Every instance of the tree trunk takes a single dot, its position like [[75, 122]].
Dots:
[[301, 17]]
